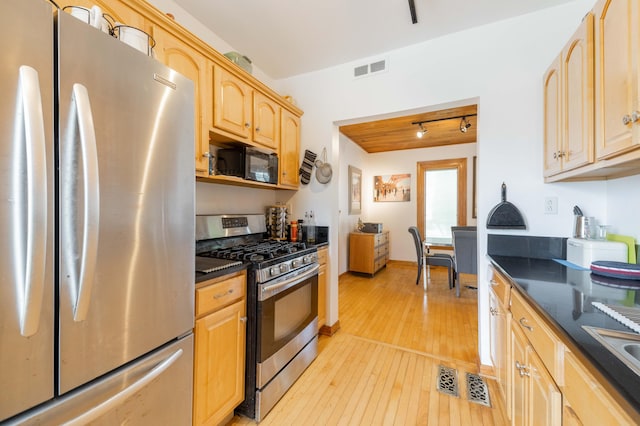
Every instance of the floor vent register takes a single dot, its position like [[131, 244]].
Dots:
[[477, 390]]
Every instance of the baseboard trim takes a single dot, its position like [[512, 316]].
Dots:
[[487, 371], [327, 330]]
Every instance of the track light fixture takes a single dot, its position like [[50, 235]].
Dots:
[[464, 124], [421, 132]]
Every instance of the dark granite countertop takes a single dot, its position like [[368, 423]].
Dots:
[[563, 295]]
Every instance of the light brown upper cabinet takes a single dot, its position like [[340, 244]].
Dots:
[[191, 63], [569, 104], [232, 105], [617, 74], [242, 113], [289, 150], [266, 117]]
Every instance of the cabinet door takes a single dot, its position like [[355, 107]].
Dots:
[[517, 367], [232, 104], [219, 364], [545, 400], [289, 149], [189, 62], [552, 115], [578, 97], [498, 342], [322, 296], [266, 120], [616, 76]]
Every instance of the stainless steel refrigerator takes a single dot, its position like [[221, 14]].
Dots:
[[96, 226]]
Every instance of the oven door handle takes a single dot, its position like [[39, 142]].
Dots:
[[273, 289]]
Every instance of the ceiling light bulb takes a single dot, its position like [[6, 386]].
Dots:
[[464, 125], [419, 134]]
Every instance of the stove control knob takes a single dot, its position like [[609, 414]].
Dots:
[[307, 259], [295, 263], [284, 267], [273, 271]]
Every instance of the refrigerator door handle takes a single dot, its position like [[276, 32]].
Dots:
[[91, 198], [36, 201], [124, 394]]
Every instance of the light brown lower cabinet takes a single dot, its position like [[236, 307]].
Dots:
[[368, 253], [589, 401], [322, 286], [219, 360], [536, 398], [547, 384]]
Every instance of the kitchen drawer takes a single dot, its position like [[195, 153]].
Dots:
[[220, 293], [322, 255], [500, 286], [382, 238], [587, 397], [544, 342]]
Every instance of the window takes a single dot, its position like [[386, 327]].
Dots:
[[442, 197]]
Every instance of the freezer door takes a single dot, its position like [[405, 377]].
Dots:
[[26, 205], [155, 390], [126, 203]]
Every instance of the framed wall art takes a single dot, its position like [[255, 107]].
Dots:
[[355, 190], [392, 188]]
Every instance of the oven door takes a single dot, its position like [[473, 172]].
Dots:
[[288, 312]]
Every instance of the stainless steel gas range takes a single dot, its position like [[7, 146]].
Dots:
[[282, 303]]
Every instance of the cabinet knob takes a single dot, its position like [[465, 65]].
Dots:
[[635, 116], [247, 125], [243, 319], [258, 129], [206, 154], [493, 311], [522, 370], [626, 119]]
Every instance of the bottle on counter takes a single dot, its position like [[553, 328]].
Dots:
[[293, 231], [311, 229], [300, 221]]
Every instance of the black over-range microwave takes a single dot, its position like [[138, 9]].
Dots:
[[247, 163]]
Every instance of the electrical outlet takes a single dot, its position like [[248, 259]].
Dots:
[[551, 205]]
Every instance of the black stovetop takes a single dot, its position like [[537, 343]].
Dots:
[[258, 251]]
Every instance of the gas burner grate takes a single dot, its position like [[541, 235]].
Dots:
[[447, 381], [477, 390]]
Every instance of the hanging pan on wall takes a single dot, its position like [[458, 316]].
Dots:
[[505, 215]]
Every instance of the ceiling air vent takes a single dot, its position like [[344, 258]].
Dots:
[[369, 69]]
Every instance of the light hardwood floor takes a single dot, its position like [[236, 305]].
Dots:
[[381, 367]]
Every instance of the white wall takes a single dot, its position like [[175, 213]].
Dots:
[[500, 64], [623, 205], [228, 199], [350, 155]]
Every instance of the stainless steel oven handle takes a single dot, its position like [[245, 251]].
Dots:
[[278, 287]]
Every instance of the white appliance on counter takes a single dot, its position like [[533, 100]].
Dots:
[[97, 226], [582, 252]]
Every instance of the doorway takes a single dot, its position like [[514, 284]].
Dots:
[[441, 198]]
